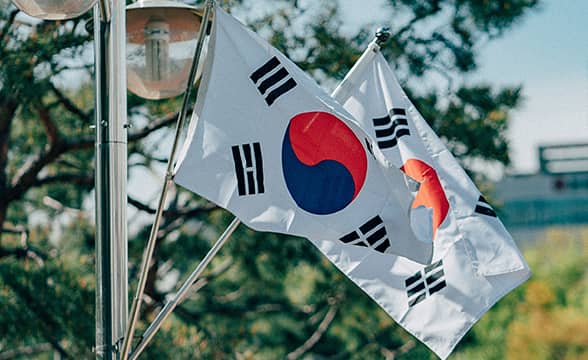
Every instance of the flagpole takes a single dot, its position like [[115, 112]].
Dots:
[[111, 177], [181, 294], [381, 37], [148, 253]]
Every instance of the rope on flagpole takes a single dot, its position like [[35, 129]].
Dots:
[[148, 253], [181, 294]]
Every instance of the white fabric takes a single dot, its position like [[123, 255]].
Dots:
[[480, 261], [231, 111]]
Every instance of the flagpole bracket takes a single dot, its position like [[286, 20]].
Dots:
[[382, 35]]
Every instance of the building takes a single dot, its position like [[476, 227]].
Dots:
[[556, 195]]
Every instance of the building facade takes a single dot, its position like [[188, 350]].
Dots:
[[556, 195]]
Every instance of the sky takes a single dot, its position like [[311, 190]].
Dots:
[[546, 53]]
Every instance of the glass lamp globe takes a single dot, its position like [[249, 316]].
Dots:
[[161, 39], [54, 9]]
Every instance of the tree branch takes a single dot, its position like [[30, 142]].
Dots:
[[47, 322], [172, 213], [77, 179], [25, 251], [19, 253], [6, 28], [316, 336], [27, 351], [27, 176], [70, 106], [152, 126], [391, 354], [8, 108], [50, 128]]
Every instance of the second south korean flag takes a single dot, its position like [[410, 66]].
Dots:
[[476, 262]]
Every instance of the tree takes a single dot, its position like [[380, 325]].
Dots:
[[553, 322], [266, 296]]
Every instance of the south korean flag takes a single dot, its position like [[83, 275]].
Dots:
[[270, 146], [475, 261]]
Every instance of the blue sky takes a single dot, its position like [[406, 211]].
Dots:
[[546, 53]]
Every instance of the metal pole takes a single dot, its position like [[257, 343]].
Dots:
[[111, 177], [381, 37], [181, 294], [148, 253]]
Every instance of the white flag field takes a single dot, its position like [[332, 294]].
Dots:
[[364, 178]]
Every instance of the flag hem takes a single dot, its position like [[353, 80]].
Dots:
[[479, 314]]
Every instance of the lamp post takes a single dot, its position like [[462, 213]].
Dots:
[[111, 177], [171, 25], [54, 9], [111, 159]]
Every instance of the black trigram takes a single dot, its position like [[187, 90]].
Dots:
[[482, 207], [425, 283], [249, 172], [371, 234], [391, 127], [278, 83]]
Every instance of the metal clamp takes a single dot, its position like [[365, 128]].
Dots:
[[382, 35]]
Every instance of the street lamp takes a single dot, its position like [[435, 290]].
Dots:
[[157, 31], [161, 37], [54, 9]]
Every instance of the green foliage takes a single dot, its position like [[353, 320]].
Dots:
[[48, 297], [265, 296], [553, 321], [477, 115]]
